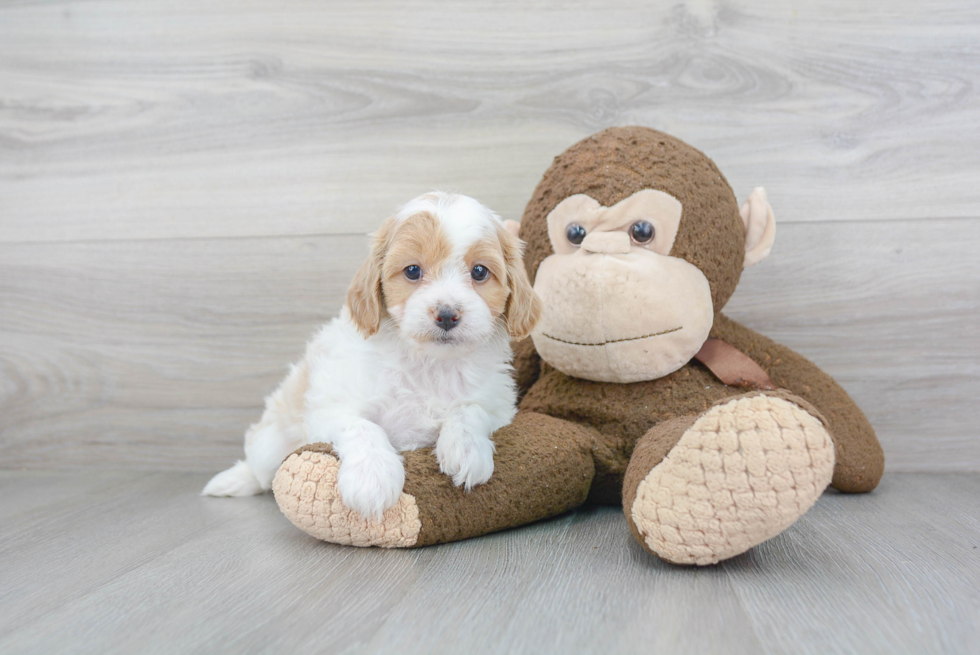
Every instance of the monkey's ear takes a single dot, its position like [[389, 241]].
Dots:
[[513, 227], [364, 295], [523, 306], [760, 227]]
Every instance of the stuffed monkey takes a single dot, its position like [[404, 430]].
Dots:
[[636, 389]]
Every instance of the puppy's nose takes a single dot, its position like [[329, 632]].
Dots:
[[447, 318]]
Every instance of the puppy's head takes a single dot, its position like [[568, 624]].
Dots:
[[447, 273]]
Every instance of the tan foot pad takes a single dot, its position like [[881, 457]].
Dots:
[[306, 489], [743, 473]]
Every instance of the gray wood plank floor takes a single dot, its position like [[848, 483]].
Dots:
[[129, 562]]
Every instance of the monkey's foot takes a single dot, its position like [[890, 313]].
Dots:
[[741, 473], [306, 489]]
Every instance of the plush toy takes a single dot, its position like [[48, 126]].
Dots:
[[637, 390]]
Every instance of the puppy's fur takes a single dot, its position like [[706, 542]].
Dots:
[[388, 376]]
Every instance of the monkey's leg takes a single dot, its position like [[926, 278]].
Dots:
[[543, 467], [701, 489], [860, 460]]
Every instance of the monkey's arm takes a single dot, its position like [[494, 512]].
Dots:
[[543, 467], [860, 461], [527, 365]]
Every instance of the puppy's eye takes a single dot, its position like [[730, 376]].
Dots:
[[575, 233], [641, 232], [413, 272], [480, 273]]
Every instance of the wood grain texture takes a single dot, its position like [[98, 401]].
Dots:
[[145, 565], [113, 349], [157, 354], [28, 491], [144, 120], [184, 189], [896, 571]]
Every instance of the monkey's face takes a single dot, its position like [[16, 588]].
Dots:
[[617, 306]]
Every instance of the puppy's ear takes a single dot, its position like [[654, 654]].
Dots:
[[364, 296], [523, 306]]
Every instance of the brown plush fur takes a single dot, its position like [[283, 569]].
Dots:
[[860, 461], [623, 413], [616, 163], [533, 479], [610, 166]]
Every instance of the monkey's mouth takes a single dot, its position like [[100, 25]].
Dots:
[[603, 343]]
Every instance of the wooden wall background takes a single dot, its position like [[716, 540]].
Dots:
[[185, 188]]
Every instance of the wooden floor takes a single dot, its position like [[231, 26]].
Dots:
[[117, 562]]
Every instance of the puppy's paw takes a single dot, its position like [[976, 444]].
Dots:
[[371, 482], [239, 480], [466, 457]]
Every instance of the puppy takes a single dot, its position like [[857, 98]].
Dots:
[[419, 356]]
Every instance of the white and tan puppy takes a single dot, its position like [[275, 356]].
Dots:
[[419, 356]]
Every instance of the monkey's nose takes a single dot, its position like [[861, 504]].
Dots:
[[607, 243], [447, 318]]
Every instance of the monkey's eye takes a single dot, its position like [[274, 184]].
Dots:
[[575, 233], [413, 272], [641, 232], [480, 273]]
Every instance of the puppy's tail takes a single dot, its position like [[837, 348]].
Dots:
[[239, 480]]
